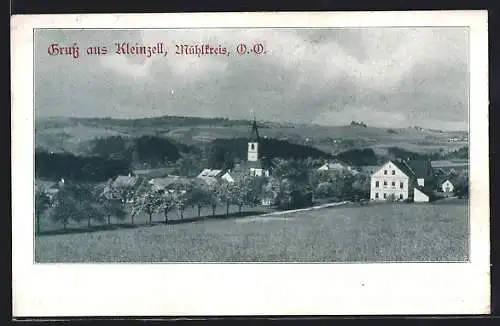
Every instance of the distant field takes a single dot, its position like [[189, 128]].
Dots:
[[71, 135], [372, 233], [450, 164]]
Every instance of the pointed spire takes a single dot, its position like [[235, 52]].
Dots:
[[254, 133]]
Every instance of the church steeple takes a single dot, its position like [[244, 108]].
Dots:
[[253, 143], [254, 133]]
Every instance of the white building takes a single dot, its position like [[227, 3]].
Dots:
[[402, 180], [447, 186]]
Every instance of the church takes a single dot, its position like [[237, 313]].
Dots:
[[253, 164], [254, 159]]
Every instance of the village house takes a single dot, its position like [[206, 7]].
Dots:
[[211, 176], [120, 185], [125, 181], [51, 188], [402, 180], [447, 186]]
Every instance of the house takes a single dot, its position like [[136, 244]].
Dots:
[[125, 181], [51, 188], [123, 185], [161, 184], [269, 199], [402, 180], [447, 186], [210, 176]]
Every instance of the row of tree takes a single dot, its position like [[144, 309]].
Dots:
[[292, 181], [77, 202]]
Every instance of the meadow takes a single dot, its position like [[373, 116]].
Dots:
[[352, 233]]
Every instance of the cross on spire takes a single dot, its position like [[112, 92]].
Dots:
[[254, 133]]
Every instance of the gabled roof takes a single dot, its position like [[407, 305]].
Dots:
[[424, 190], [167, 181], [125, 181], [452, 180], [403, 166], [421, 168], [211, 173]]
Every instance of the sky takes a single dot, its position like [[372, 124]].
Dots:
[[385, 77]]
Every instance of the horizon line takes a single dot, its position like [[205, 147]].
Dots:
[[243, 119]]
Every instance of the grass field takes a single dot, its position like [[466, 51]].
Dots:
[[371, 233]]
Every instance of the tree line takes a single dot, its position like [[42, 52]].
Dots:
[[54, 166], [293, 185]]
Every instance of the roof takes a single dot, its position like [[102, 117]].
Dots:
[[424, 190], [167, 181], [370, 168], [335, 165], [125, 181], [404, 167], [244, 166], [421, 168], [254, 132], [211, 173]]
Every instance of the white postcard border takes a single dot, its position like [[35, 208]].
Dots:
[[247, 289]]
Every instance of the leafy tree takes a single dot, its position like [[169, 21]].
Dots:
[[148, 202], [181, 199], [112, 203], [188, 165], [361, 186], [461, 189], [242, 191], [200, 196], [272, 189], [73, 202], [293, 170], [224, 194], [359, 157], [42, 203], [167, 203], [324, 189], [213, 196]]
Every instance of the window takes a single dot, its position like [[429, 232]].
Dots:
[[376, 184], [394, 184], [376, 195], [400, 196], [252, 146], [385, 195], [393, 172], [401, 185], [385, 183], [385, 171]]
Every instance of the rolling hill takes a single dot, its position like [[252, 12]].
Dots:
[[75, 135]]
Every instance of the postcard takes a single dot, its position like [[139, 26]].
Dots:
[[265, 163]]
